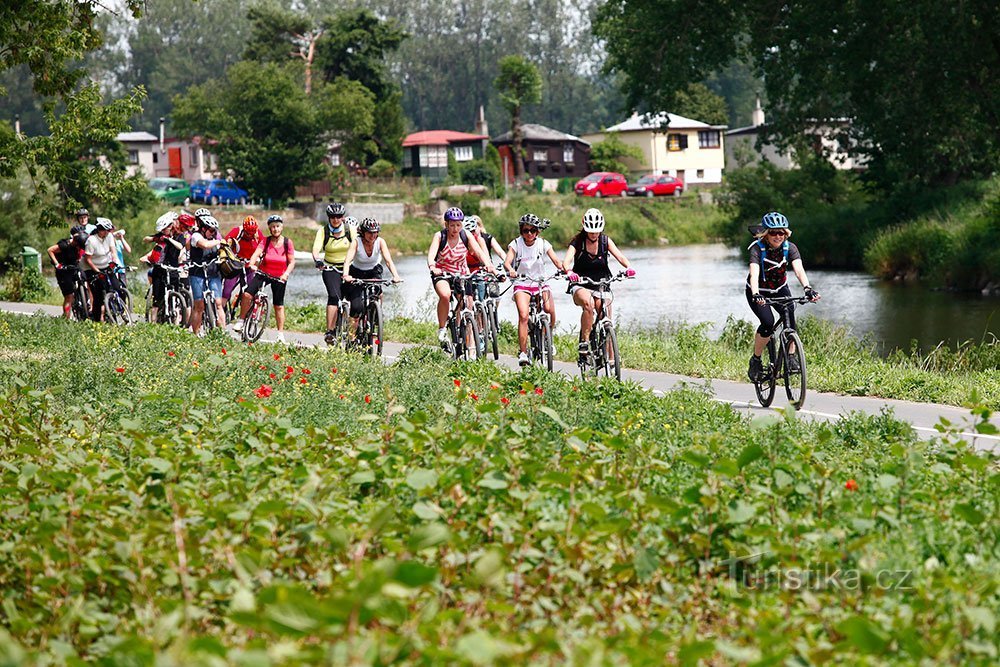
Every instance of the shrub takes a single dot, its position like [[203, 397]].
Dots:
[[382, 169], [24, 284], [469, 203], [480, 172], [918, 250]]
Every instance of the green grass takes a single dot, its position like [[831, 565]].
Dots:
[[154, 509]]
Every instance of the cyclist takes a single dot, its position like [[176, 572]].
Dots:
[[275, 260], [525, 262], [471, 227], [770, 255], [449, 252], [587, 257], [244, 239], [99, 253], [490, 241], [330, 248], [364, 261], [203, 251], [65, 256], [121, 247], [82, 217], [165, 226]]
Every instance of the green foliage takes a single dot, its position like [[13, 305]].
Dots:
[[607, 154], [700, 103], [24, 284], [481, 172], [18, 222], [358, 512], [382, 169], [469, 203], [518, 83]]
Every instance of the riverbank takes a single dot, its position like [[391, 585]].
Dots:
[[246, 498]]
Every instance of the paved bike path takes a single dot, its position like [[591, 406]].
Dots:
[[821, 406]]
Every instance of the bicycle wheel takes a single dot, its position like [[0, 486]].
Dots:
[[174, 308], [208, 320], [483, 325], [795, 380], [611, 364], [494, 326], [373, 339], [469, 334], [81, 303], [113, 308], [592, 361], [545, 342], [127, 302], [764, 385], [256, 321], [340, 331]]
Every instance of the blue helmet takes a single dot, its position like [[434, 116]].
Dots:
[[454, 213], [774, 220]]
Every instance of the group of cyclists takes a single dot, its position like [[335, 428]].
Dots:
[[186, 249]]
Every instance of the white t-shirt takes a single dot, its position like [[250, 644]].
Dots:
[[366, 262], [101, 252], [529, 260]]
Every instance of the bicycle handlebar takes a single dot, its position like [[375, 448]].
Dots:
[[601, 283], [782, 300]]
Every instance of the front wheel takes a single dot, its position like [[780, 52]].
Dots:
[[795, 370], [611, 365], [370, 331], [467, 347], [174, 309], [494, 329], [81, 303], [545, 342], [598, 194], [256, 321], [764, 384]]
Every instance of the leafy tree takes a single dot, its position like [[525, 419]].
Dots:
[[700, 103], [272, 135], [518, 83], [607, 155], [277, 34], [917, 78]]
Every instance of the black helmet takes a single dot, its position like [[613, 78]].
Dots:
[[80, 212], [78, 229], [80, 238], [336, 210], [369, 225]]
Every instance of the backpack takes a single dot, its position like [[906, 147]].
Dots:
[[326, 234], [444, 239], [230, 264]]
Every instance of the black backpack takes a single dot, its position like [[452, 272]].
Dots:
[[444, 240]]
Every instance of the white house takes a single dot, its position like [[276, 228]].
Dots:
[[139, 150], [174, 157]]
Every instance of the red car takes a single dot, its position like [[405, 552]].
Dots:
[[602, 184], [654, 186]]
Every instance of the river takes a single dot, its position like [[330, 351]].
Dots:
[[704, 283]]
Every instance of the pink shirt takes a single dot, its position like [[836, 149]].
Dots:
[[275, 260], [454, 259]]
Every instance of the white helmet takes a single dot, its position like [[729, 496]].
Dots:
[[202, 213], [351, 222], [593, 220], [165, 221], [471, 223]]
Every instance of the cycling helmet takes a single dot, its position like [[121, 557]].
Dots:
[[336, 210], [210, 222], [529, 220], [103, 224], [471, 224], [369, 225], [593, 220], [774, 220], [250, 224], [165, 221], [351, 222], [271, 219], [80, 238], [187, 220], [454, 214], [474, 218], [202, 213], [544, 224], [80, 212]]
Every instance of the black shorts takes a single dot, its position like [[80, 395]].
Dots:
[[66, 279], [354, 293], [277, 287]]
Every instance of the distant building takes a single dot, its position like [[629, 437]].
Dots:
[[425, 153], [185, 157], [547, 153], [682, 147], [139, 152]]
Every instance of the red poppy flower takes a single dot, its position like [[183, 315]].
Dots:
[[289, 370], [240, 399], [120, 369], [458, 383], [368, 399], [505, 400], [262, 367], [851, 485], [538, 390], [341, 397], [171, 354], [223, 351], [333, 370], [277, 356], [271, 375], [263, 391], [195, 364], [522, 392], [306, 371], [494, 385], [474, 396], [303, 381], [286, 376]]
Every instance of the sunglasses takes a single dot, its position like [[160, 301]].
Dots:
[[776, 232], [529, 230]]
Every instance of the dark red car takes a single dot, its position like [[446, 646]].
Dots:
[[602, 184], [654, 186]]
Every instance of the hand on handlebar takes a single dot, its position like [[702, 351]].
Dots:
[[757, 299], [812, 294], [436, 271], [630, 273], [348, 278], [572, 276], [319, 263]]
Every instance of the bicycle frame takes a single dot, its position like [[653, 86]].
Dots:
[[602, 343], [788, 343]]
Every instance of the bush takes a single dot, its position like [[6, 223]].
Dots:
[[469, 203], [918, 250], [566, 185], [480, 172], [382, 169], [24, 284]]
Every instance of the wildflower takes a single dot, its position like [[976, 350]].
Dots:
[[120, 369], [195, 364], [539, 391], [171, 354], [851, 485], [262, 367], [286, 376], [494, 386], [522, 392], [289, 370], [223, 351], [474, 396], [333, 370], [341, 397], [303, 381], [368, 399], [505, 401], [458, 383], [306, 371], [277, 356], [240, 399], [263, 391], [271, 375]]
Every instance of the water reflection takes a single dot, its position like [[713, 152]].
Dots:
[[704, 283]]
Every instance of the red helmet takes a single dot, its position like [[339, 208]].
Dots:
[[187, 220], [250, 224]]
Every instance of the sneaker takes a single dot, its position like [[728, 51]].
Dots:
[[756, 368], [793, 363], [329, 337], [584, 353], [522, 359], [280, 338], [444, 339]]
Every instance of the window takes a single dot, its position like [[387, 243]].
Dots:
[[193, 151], [335, 159], [434, 156], [133, 157], [568, 153], [407, 158], [463, 153], [156, 157], [677, 142], [540, 155], [700, 173], [708, 139]]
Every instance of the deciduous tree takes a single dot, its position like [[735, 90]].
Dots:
[[519, 84]]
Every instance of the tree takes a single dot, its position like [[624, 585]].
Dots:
[[917, 78], [277, 34], [607, 155], [700, 103], [271, 135], [518, 83]]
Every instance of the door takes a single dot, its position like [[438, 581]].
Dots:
[[174, 160]]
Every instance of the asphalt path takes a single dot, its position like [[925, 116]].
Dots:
[[820, 406]]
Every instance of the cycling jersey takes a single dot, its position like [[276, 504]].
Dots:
[[474, 262], [68, 253], [202, 256], [529, 260], [334, 251], [171, 253], [774, 263], [246, 243], [591, 266], [453, 258], [276, 257], [102, 252]]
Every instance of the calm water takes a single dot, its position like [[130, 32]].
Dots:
[[704, 283]]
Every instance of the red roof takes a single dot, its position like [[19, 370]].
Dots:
[[439, 138]]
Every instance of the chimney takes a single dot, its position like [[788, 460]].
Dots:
[[481, 126], [162, 122], [757, 116], [17, 125]]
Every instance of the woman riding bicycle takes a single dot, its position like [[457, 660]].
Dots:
[[330, 248], [65, 256], [587, 258], [525, 263], [450, 252], [364, 262], [471, 227], [243, 239], [203, 250], [770, 254], [99, 254], [274, 260]]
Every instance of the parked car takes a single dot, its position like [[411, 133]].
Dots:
[[218, 191], [602, 184], [656, 185], [170, 190]]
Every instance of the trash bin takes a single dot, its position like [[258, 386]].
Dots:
[[32, 258]]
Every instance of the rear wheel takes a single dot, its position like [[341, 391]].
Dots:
[[795, 380], [611, 363], [174, 309], [764, 385], [468, 344], [114, 309], [491, 321], [545, 342], [81, 303]]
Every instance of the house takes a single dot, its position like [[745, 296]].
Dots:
[[742, 148], [688, 149], [189, 158], [139, 148], [425, 154], [547, 153]]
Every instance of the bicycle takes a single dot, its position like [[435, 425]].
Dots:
[[117, 301], [209, 317], [486, 312], [338, 338], [777, 364], [368, 336], [232, 309], [461, 324], [539, 325], [602, 355], [81, 297], [177, 299], [256, 319]]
